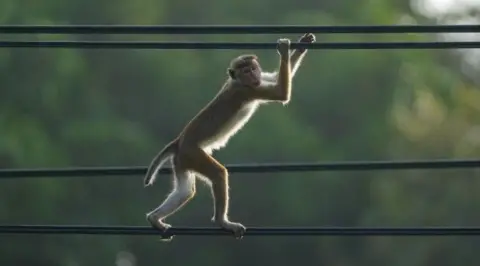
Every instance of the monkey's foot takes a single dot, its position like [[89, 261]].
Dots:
[[236, 228], [159, 225]]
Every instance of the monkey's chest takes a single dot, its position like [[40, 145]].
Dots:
[[241, 117]]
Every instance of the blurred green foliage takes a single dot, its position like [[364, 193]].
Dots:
[[62, 108]]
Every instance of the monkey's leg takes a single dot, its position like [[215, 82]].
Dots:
[[214, 171], [183, 191]]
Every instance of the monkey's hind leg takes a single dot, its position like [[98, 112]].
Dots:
[[182, 192], [214, 171]]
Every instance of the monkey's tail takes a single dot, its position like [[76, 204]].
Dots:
[[157, 162]]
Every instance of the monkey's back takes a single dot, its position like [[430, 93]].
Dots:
[[220, 119]]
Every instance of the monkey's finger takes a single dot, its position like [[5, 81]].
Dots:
[[166, 238], [239, 233]]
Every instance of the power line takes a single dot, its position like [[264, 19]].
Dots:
[[232, 29], [251, 231], [234, 45], [249, 168]]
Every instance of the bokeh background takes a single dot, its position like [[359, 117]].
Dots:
[[73, 107]]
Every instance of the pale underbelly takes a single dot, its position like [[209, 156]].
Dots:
[[220, 139]]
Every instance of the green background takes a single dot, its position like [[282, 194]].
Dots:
[[73, 107]]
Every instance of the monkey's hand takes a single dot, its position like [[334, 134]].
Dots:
[[283, 47], [307, 38]]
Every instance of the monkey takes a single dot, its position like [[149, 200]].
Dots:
[[190, 153]]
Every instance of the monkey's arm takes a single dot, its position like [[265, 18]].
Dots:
[[298, 54], [296, 58], [280, 90], [270, 76]]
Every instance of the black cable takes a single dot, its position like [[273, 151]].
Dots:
[[232, 29], [234, 45], [251, 231], [250, 168]]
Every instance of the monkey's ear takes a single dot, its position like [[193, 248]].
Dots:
[[231, 73]]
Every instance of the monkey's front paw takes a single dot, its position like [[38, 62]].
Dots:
[[283, 43], [236, 228], [283, 46], [308, 38]]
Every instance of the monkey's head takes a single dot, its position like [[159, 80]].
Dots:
[[246, 70]]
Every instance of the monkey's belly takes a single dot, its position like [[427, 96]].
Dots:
[[220, 138]]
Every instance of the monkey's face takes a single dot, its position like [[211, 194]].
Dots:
[[250, 74]]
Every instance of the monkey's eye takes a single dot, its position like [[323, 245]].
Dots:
[[246, 70]]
